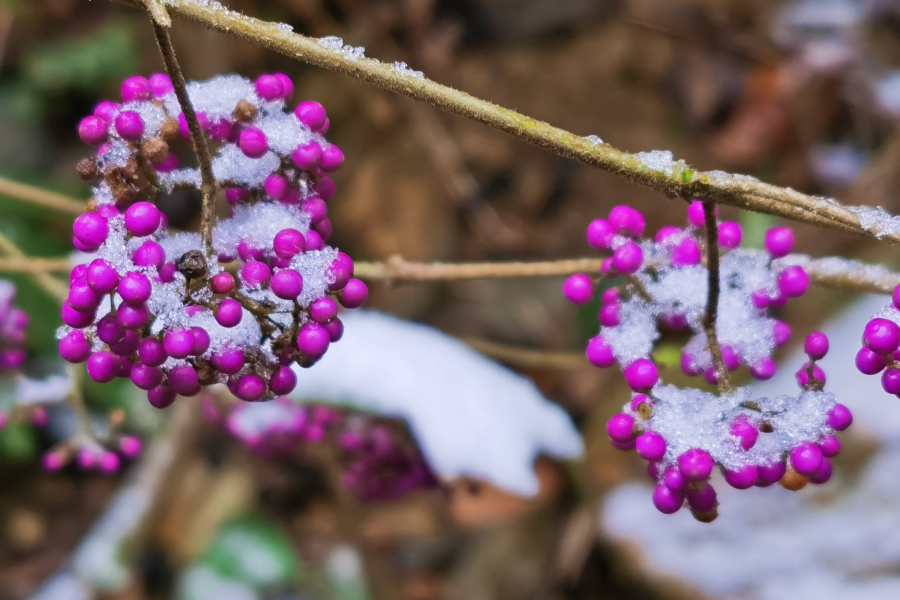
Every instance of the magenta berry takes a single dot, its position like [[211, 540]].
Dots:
[[806, 458], [308, 156], [695, 464], [793, 282], [881, 336], [641, 375], [599, 353], [311, 114], [627, 258], [142, 218], [183, 379], [695, 215], [627, 220], [870, 363], [135, 288], [91, 230], [283, 381], [674, 479], [103, 366], [313, 339], [161, 396], [222, 283], [686, 253], [578, 289], [730, 235], [229, 313], [75, 348], [250, 388], [355, 294], [129, 125], [269, 88], [830, 445], [840, 417], [160, 85], [651, 445], [666, 500], [621, 428], [600, 234], [136, 88], [287, 284], [253, 143], [93, 130], [816, 345], [779, 241], [745, 432], [769, 474], [742, 478], [703, 499]]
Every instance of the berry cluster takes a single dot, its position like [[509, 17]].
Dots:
[[881, 346], [13, 323], [684, 433], [158, 307], [378, 464]]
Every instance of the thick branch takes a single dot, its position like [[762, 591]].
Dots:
[[41, 197], [201, 149], [675, 179], [712, 296], [398, 269]]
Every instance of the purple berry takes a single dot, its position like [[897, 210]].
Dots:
[[162, 396], [578, 289], [781, 331], [323, 310], [335, 330], [222, 283], [146, 377], [731, 358], [152, 352], [627, 258], [316, 209], [250, 388], [767, 475], [287, 284], [276, 186], [324, 188], [868, 362], [129, 125], [730, 235], [288, 243], [620, 428], [763, 369], [228, 360], [666, 500], [674, 479], [81, 297], [149, 254], [91, 230], [793, 281], [600, 234], [287, 86], [651, 445], [695, 464], [806, 458], [136, 88], [160, 84], [823, 473], [76, 319], [201, 341], [255, 274], [183, 128], [142, 218], [627, 220], [355, 294], [816, 345], [283, 381], [895, 297], [93, 130], [332, 159], [881, 336], [695, 215], [839, 417], [803, 375], [641, 375], [314, 241], [103, 366], [686, 253], [110, 330], [133, 317], [704, 499], [666, 233], [742, 478], [128, 345], [130, 446], [269, 88], [135, 288], [599, 353], [178, 342], [253, 143], [183, 379], [313, 339], [689, 365], [779, 241], [830, 445], [308, 156], [312, 114], [745, 432], [75, 348], [609, 315]]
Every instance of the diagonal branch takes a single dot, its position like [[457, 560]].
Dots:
[[673, 178], [41, 197], [201, 148]]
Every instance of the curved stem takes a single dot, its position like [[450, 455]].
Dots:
[[41, 197], [712, 297], [201, 148], [47, 282]]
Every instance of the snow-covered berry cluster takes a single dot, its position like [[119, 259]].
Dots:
[[684, 432], [377, 464], [13, 325], [880, 352], [160, 307]]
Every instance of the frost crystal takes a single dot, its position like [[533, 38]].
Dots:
[[336, 44], [404, 69]]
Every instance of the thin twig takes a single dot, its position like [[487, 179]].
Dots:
[[201, 149], [527, 357], [50, 284], [40, 197], [75, 400], [833, 273], [675, 179], [712, 297]]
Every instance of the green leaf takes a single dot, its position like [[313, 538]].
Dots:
[[18, 443], [253, 550]]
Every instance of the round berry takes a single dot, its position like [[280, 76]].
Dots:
[[103, 366], [578, 289], [287, 284], [870, 363], [627, 258], [161, 85], [686, 253], [770, 474], [93, 130], [146, 377], [730, 235], [142, 218], [222, 283], [620, 428], [135, 288], [742, 478], [253, 143], [793, 281], [627, 220], [129, 125], [323, 310], [651, 445], [779, 241], [703, 499], [136, 88], [599, 353], [201, 341], [666, 500], [228, 360], [806, 458], [695, 215], [269, 88], [183, 379], [75, 348], [830, 445], [695, 465], [152, 352], [255, 274], [355, 294], [746, 433], [162, 396], [332, 159], [600, 234], [283, 381], [881, 336], [91, 230], [839, 417], [308, 156], [312, 114], [641, 375], [816, 345]]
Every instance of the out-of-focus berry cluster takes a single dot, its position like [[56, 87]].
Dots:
[[158, 307], [89, 455], [682, 432], [13, 324], [378, 463]]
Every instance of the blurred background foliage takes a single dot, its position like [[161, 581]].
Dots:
[[716, 82]]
